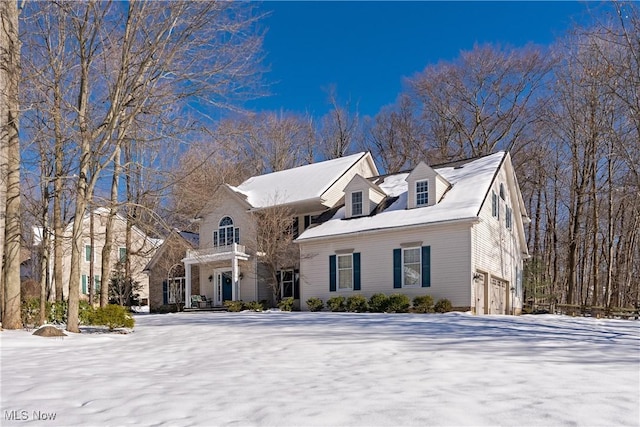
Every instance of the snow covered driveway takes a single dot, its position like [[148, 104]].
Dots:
[[325, 369]]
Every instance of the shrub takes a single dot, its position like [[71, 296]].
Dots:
[[112, 316], [398, 303], [57, 312], [357, 303], [423, 304], [336, 303], [286, 304], [378, 303], [443, 306], [254, 306], [30, 312], [315, 304], [86, 313], [233, 306]]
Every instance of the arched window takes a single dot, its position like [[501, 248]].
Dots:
[[226, 234], [502, 191]]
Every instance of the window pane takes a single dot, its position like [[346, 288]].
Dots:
[[226, 221], [356, 203], [222, 237], [422, 193], [412, 267], [345, 272], [344, 261]]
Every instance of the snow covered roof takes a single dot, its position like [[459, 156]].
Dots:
[[470, 183], [295, 185]]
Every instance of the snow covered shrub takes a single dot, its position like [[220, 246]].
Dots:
[[112, 316], [233, 306], [336, 303], [254, 306], [378, 303], [286, 304], [315, 304], [357, 303], [398, 303], [443, 306], [423, 304]]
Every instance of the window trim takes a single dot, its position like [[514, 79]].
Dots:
[[360, 203], [338, 270], [424, 192], [418, 284]]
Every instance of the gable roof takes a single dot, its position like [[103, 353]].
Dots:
[[295, 185], [470, 183]]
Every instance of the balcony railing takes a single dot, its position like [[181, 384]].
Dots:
[[229, 250]]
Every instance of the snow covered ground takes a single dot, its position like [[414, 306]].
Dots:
[[325, 369]]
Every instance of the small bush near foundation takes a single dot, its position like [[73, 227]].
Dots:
[[378, 303], [233, 306], [286, 304], [336, 303], [423, 304], [315, 304], [112, 316], [398, 303], [443, 306], [357, 303], [254, 306]]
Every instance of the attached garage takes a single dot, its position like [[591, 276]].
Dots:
[[497, 296]]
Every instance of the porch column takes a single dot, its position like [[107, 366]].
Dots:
[[187, 286], [234, 274]]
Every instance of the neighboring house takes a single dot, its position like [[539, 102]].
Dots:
[[454, 231], [140, 253], [228, 261], [166, 271]]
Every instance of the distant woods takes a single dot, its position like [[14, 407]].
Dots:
[[122, 108]]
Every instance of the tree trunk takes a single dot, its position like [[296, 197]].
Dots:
[[108, 233], [9, 112]]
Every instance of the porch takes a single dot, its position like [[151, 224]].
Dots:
[[223, 260]]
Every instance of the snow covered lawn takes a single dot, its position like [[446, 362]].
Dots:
[[323, 369]]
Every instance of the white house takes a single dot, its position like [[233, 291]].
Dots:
[[455, 232], [228, 261], [141, 249]]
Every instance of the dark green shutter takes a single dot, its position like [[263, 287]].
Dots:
[[165, 293], [356, 271], [426, 266], [296, 284], [307, 221], [84, 283], [332, 273], [397, 268]]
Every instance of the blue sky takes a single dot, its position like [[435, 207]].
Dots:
[[367, 48]]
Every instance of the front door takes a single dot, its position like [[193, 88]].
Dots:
[[227, 294]]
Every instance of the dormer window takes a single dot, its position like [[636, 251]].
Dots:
[[422, 193], [226, 234], [356, 203]]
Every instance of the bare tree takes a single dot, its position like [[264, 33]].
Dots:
[[139, 65], [9, 114], [338, 128], [479, 102], [274, 242]]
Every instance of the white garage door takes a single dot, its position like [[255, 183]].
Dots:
[[497, 296]]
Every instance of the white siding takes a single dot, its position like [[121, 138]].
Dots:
[[450, 263], [335, 193], [497, 250]]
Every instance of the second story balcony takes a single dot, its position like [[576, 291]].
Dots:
[[217, 253]]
